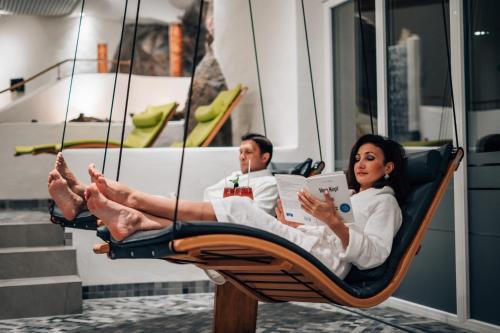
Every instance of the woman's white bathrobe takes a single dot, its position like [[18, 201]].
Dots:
[[377, 218]]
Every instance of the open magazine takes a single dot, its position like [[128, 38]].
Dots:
[[335, 183]]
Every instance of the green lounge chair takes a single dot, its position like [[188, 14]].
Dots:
[[212, 117], [147, 126]]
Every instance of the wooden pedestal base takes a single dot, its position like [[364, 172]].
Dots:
[[234, 311]]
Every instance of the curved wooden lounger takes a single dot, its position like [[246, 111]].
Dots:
[[261, 266]]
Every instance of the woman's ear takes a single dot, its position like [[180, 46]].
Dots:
[[389, 167]]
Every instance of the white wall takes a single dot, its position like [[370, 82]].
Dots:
[[92, 95], [30, 44], [284, 71]]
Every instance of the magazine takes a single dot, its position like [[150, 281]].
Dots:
[[335, 183]]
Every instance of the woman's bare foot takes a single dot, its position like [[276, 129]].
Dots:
[[121, 221], [111, 189], [68, 202], [74, 184]]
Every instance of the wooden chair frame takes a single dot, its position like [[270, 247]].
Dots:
[[224, 118], [110, 144]]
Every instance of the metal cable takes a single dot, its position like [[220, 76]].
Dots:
[[312, 81], [114, 87], [186, 123], [128, 88], [448, 58], [365, 64], [72, 75], [257, 64]]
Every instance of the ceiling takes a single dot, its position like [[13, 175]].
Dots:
[[37, 7]]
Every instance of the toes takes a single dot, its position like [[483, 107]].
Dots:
[[54, 175]]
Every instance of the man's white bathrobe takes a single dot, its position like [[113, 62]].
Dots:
[[377, 218]]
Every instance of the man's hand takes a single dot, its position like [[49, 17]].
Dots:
[[281, 216]]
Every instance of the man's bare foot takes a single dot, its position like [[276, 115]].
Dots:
[[68, 202], [121, 221], [113, 190], [74, 184]]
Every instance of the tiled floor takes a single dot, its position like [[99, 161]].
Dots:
[[193, 313]]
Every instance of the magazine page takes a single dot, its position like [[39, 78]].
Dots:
[[336, 184], [288, 187]]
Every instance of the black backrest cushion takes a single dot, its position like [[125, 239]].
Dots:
[[424, 172]]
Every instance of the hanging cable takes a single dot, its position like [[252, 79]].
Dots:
[[365, 65], [257, 64], [72, 75], [186, 123], [448, 58], [114, 87], [128, 88], [312, 81]]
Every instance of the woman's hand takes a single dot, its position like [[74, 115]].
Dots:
[[323, 210], [281, 216]]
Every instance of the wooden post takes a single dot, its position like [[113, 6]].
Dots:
[[234, 311], [175, 46], [102, 58]]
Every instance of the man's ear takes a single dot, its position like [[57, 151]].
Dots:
[[265, 157]]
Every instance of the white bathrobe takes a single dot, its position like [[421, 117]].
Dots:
[[377, 218]]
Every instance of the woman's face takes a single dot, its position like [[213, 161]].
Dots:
[[369, 165]]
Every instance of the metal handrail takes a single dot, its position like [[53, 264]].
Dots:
[[57, 65]]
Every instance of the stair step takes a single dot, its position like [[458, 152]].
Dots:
[[45, 296], [30, 233], [31, 262]]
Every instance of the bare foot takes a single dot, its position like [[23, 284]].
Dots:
[[114, 190], [74, 184], [121, 221], [94, 173], [68, 202]]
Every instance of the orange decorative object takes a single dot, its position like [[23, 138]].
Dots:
[[175, 42], [102, 58]]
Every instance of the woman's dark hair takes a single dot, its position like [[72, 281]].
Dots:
[[262, 142], [393, 152]]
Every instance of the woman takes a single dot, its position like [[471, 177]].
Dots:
[[375, 174]]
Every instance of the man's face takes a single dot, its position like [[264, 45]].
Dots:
[[250, 153]]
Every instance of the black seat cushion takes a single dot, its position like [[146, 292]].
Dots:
[[431, 167]]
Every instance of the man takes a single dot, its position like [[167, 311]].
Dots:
[[256, 151]]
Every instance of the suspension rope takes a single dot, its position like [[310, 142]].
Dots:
[[365, 65], [312, 81], [128, 88], [114, 88], [448, 58], [72, 75], [257, 64], [186, 123]]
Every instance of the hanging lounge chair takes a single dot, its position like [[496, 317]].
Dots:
[[147, 127], [212, 117], [261, 266]]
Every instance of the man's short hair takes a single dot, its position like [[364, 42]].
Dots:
[[265, 145]]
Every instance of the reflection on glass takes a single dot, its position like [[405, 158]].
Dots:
[[354, 85], [482, 35], [419, 110]]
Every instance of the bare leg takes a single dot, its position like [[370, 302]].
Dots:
[[74, 184], [152, 204], [121, 221], [68, 202]]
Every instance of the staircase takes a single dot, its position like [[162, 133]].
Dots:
[[38, 273]]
